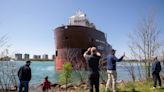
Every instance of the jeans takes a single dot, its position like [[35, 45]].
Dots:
[[23, 84], [156, 78], [112, 77], [94, 81]]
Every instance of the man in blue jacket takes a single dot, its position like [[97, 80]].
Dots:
[[156, 68], [111, 70], [24, 75]]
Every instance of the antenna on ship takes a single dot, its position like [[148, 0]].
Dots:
[[80, 13]]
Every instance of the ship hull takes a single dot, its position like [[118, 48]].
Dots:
[[72, 41]]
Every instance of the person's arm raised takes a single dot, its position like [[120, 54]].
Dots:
[[87, 52], [120, 59], [98, 54]]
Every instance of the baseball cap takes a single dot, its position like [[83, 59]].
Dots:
[[28, 61]]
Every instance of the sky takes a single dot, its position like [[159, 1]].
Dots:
[[29, 24]]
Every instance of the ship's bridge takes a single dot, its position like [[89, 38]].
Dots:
[[80, 19]]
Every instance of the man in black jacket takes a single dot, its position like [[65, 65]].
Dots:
[[24, 75], [92, 57], [156, 68]]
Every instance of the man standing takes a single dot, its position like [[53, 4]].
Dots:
[[111, 70], [92, 57], [24, 75], [156, 68]]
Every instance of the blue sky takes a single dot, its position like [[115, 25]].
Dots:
[[29, 24]]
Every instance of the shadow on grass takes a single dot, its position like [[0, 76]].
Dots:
[[161, 89]]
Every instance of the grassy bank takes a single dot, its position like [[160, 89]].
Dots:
[[139, 86]]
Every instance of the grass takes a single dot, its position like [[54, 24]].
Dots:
[[139, 86]]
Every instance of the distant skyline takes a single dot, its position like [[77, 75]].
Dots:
[[29, 24]]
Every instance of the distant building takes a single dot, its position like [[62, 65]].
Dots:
[[5, 58], [53, 57], [36, 57], [26, 56], [45, 57], [18, 56]]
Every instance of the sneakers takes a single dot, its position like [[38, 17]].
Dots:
[[159, 87], [153, 88]]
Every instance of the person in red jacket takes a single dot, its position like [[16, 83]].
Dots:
[[46, 85]]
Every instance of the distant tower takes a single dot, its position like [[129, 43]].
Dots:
[[26, 56], [53, 57], [45, 57], [36, 57], [18, 56]]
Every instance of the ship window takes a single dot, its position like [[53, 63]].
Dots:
[[56, 53]]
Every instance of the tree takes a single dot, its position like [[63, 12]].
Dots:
[[162, 56], [145, 42], [66, 72], [102, 67], [75, 57], [7, 67]]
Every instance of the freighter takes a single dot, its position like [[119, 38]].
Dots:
[[72, 41]]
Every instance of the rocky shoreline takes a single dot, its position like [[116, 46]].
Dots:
[[56, 87]]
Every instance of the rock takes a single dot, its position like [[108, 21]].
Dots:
[[81, 83], [55, 85], [102, 85], [69, 85], [13, 88], [75, 87], [84, 86]]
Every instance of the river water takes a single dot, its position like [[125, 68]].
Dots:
[[47, 68]]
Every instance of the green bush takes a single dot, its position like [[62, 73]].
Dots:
[[65, 75]]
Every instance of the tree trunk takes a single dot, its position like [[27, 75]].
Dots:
[[149, 70]]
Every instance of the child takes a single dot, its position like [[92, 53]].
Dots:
[[46, 85]]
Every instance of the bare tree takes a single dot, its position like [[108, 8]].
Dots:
[[163, 56], [145, 42], [103, 69], [74, 56], [70, 54], [130, 67], [8, 75], [136, 57], [7, 67]]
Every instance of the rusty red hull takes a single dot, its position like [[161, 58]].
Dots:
[[72, 41]]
